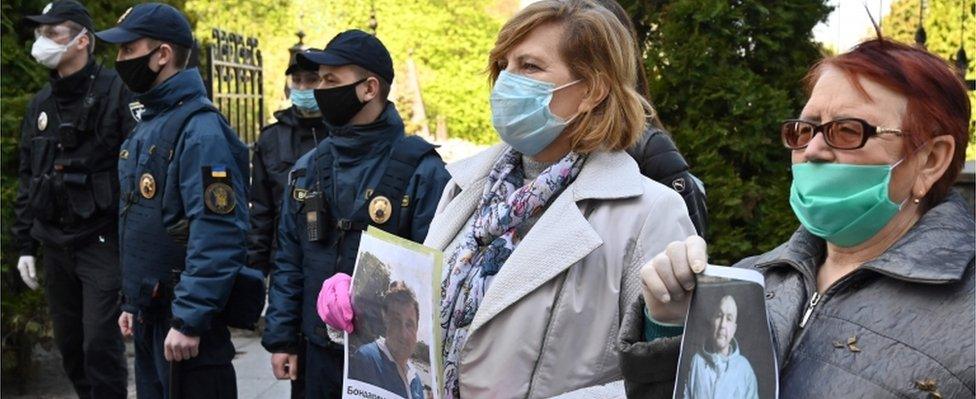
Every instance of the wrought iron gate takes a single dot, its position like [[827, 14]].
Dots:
[[235, 82]]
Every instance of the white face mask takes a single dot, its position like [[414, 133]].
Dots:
[[47, 52]]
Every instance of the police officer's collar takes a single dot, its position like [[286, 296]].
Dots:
[[291, 117], [182, 86], [287, 116], [389, 117], [353, 141], [74, 84]]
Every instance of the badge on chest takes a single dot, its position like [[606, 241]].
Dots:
[[380, 209], [42, 121], [147, 186]]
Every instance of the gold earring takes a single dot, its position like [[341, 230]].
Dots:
[[917, 201]]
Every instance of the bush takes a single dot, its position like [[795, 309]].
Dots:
[[23, 314], [722, 75]]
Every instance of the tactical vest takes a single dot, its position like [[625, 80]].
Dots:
[[73, 164], [149, 249], [335, 248], [387, 206]]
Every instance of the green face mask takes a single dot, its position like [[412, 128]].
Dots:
[[844, 204]]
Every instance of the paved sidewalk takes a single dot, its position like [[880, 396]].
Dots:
[[253, 366]]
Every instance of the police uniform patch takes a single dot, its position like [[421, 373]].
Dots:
[[218, 190], [219, 198], [380, 209], [299, 194], [147, 186], [42, 121], [136, 109]]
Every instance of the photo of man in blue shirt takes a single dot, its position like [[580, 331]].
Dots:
[[385, 362], [718, 370]]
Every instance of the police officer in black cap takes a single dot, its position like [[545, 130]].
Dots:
[[297, 131], [68, 195], [182, 174], [366, 173]]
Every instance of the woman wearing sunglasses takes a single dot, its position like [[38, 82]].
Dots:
[[873, 296]]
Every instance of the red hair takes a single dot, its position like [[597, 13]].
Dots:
[[937, 100]]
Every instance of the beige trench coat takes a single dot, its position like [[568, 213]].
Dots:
[[548, 323]]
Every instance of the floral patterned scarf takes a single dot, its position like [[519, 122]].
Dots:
[[505, 204]]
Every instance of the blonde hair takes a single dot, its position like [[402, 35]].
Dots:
[[600, 51]]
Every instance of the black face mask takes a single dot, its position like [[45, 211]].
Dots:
[[136, 74], [339, 104]]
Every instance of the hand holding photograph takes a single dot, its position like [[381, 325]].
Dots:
[[727, 348], [392, 351]]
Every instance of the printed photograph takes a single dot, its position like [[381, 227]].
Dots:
[[390, 352], [727, 349]]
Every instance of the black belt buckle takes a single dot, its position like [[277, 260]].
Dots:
[[344, 224]]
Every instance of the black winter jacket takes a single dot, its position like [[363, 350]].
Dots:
[[68, 183], [279, 146], [659, 160]]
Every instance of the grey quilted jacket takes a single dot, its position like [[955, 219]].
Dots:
[[909, 313]]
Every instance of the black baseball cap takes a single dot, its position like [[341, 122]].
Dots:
[[153, 20], [352, 47], [60, 11], [294, 66]]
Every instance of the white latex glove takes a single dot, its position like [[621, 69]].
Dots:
[[28, 272]]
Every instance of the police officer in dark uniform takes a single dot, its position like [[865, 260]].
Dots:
[[298, 129], [68, 196], [183, 215], [366, 173]]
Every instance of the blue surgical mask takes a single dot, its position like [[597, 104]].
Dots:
[[304, 100], [520, 112]]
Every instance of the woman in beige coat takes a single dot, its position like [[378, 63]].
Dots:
[[544, 235]]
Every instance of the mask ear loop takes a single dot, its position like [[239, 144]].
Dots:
[[570, 120], [566, 85], [895, 165], [75, 39]]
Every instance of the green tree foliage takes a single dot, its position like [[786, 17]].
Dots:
[[272, 22], [723, 74], [449, 41], [24, 318], [949, 25]]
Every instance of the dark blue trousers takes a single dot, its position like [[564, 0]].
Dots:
[[209, 375], [323, 369]]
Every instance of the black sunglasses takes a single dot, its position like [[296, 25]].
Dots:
[[841, 134]]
